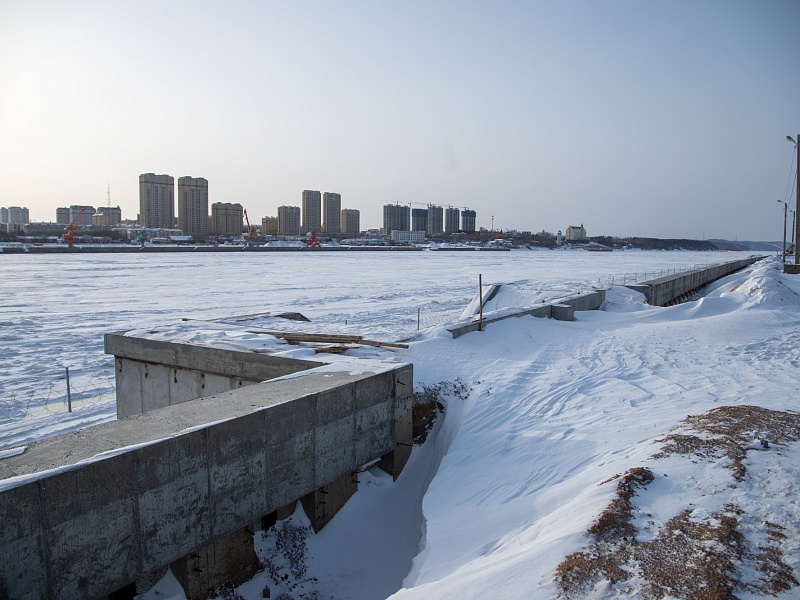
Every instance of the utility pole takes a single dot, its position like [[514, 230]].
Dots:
[[797, 208], [783, 248], [797, 190]]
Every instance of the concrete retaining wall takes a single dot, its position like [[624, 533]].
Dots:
[[93, 510], [665, 290]]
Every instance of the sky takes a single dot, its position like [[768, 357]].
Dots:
[[633, 118]]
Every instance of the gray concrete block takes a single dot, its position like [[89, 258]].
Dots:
[[322, 504], [290, 450], [90, 521], [155, 386], [374, 435], [229, 559], [22, 572], [129, 388], [174, 504], [562, 312], [239, 483]]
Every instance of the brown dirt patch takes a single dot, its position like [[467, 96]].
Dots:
[[689, 558]]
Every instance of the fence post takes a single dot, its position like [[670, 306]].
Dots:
[[69, 394], [480, 300], [418, 309]]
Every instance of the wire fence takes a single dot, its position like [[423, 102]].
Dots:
[[63, 394], [627, 278]]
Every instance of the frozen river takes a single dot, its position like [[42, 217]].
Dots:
[[55, 309]]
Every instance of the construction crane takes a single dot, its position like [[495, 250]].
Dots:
[[312, 241], [252, 234], [69, 231]]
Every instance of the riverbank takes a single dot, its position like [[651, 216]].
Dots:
[[130, 249]]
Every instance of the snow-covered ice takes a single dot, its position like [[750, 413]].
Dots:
[[517, 472]]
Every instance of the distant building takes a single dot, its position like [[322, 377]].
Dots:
[[269, 226], [107, 216], [408, 237], [419, 219], [435, 220], [156, 201], [14, 215], [312, 211], [193, 206], [332, 213], [43, 229], [62, 215], [288, 220], [468, 221], [575, 233], [350, 221], [227, 219], [81, 215], [396, 217], [451, 220]]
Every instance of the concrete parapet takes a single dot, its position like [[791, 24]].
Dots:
[[588, 301], [153, 374], [89, 512]]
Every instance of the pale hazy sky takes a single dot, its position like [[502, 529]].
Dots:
[[663, 119]]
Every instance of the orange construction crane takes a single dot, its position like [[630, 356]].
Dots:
[[252, 234], [69, 231]]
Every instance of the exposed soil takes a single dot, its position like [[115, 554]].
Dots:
[[690, 557]]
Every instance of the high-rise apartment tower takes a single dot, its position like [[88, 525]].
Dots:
[[332, 213], [288, 220], [312, 211], [351, 221], [156, 201], [193, 206], [451, 220]]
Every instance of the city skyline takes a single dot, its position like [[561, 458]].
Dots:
[[650, 119]]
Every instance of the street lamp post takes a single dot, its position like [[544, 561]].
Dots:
[[797, 189], [783, 248]]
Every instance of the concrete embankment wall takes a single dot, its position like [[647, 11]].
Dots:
[[89, 512], [562, 309], [665, 290], [659, 292]]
